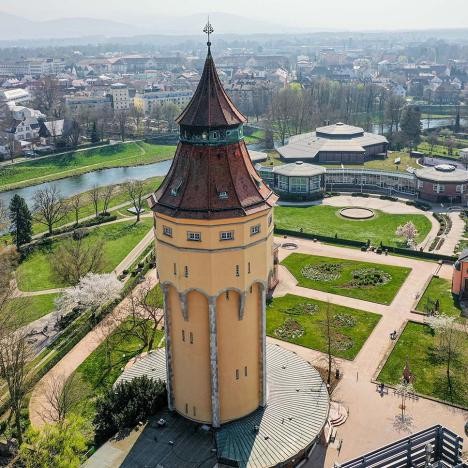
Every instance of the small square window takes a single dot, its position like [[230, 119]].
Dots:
[[193, 236], [167, 231], [223, 195], [226, 235], [254, 229]]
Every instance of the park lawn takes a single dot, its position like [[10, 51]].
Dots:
[[417, 344], [386, 164], [35, 272], [257, 136], [326, 220], [102, 367], [381, 294], [31, 308], [56, 167], [314, 337], [441, 289], [438, 150]]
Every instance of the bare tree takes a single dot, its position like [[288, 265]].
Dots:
[[15, 355], [76, 257], [121, 118], [145, 307], [3, 216], [49, 207], [95, 198], [135, 190], [74, 133], [330, 338], [464, 160], [47, 96], [62, 396], [450, 337], [432, 139], [76, 204], [106, 197], [281, 112]]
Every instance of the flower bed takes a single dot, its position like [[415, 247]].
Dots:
[[369, 278], [322, 272], [290, 329]]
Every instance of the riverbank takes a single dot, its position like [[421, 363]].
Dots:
[[35, 172]]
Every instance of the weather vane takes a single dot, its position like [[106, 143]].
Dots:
[[208, 29]]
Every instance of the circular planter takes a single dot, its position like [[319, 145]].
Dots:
[[357, 213]]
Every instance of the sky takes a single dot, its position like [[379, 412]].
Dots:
[[314, 14]]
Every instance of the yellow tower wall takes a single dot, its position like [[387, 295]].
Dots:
[[228, 334], [238, 351]]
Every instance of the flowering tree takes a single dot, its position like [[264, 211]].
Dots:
[[408, 231], [92, 291]]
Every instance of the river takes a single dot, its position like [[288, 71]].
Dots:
[[76, 184]]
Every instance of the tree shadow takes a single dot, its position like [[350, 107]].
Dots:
[[403, 423]]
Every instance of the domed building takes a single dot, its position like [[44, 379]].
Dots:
[[335, 144]]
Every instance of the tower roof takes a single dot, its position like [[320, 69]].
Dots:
[[210, 105]]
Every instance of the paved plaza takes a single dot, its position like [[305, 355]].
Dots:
[[373, 419]]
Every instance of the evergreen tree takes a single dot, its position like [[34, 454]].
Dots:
[[94, 134], [21, 221], [411, 126]]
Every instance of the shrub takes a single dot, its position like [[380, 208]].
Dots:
[[359, 194], [127, 404], [388, 197]]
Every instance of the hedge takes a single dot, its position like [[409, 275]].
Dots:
[[353, 243], [101, 219]]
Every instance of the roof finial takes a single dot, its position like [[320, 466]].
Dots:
[[208, 29]]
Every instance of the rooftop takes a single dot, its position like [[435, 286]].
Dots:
[[442, 173], [294, 417], [299, 168]]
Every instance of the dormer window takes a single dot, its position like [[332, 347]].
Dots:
[[175, 188], [215, 135], [223, 195]]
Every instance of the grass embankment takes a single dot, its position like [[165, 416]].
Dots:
[[417, 345], [438, 150], [338, 276], [36, 273], [28, 309], [327, 221], [350, 336], [440, 289], [70, 164]]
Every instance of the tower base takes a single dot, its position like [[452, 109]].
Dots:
[[284, 431]]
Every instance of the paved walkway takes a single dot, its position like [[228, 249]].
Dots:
[[454, 235], [39, 406], [373, 420]]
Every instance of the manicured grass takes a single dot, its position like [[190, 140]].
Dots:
[[382, 294], [417, 345], [326, 220], [387, 164], [35, 273], [31, 308], [256, 137], [441, 289], [56, 167], [100, 369], [314, 336], [438, 150]]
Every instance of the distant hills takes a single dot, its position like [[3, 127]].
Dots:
[[16, 28]]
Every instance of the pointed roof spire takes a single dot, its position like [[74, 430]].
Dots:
[[210, 106]]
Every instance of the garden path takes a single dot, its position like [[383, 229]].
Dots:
[[454, 235], [373, 419], [39, 406]]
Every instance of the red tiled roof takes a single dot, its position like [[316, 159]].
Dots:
[[210, 105], [199, 174]]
